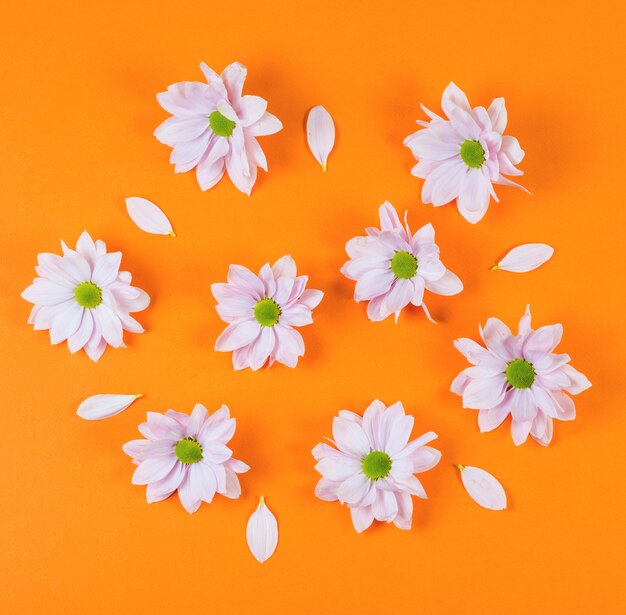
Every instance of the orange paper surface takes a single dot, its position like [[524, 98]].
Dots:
[[78, 84]]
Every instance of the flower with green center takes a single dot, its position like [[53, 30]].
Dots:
[[520, 374], [472, 153], [376, 464], [463, 155], [404, 265], [188, 454], [262, 312], [393, 267], [221, 125], [88, 295], [267, 312], [215, 129], [188, 450], [373, 465], [85, 299]]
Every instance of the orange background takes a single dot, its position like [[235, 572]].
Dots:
[[78, 85]]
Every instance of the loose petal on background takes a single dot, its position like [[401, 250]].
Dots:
[[320, 134], [526, 257], [483, 488], [148, 217], [104, 406], [262, 532]]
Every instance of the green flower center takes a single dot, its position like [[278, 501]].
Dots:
[[520, 373], [188, 450], [267, 312], [376, 464], [88, 295], [404, 265], [472, 153], [221, 125]]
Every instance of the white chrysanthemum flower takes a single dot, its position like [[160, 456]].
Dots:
[[83, 298]]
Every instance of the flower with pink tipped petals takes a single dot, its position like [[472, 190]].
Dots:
[[262, 311], [393, 268], [83, 298], [463, 156], [214, 127], [188, 454], [372, 467], [519, 375]]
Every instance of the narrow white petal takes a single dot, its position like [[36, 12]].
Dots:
[[526, 257], [483, 488], [99, 407], [262, 532], [148, 217], [320, 134]]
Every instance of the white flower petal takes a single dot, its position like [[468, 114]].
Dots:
[[320, 134], [448, 284], [99, 407], [483, 488], [262, 532], [526, 257], [148, 217]]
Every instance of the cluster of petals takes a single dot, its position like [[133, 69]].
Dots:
[[519, 375], [262, 311], [383, 432], [83, 298], [461, 157], [214, 127], [188, 454], [383, 279]]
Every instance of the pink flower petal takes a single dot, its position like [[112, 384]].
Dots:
[[362, 517], [99, 407], [483, 488], [525, 258], [262, 532], [148, 217], [320, 134], [446, 285]]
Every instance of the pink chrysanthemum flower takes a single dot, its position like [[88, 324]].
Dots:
[[519, 375], [372, 468], [262, 311], [188, 454], [463, 156], [214, 128], [392, 267], [83, 298]]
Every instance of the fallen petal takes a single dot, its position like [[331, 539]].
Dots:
[[526, 257], [483, 488], [148, 217], [262, 532], [320, 134], [99, 407]]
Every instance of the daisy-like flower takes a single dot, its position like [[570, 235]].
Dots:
[[519, 375], [463, 156], [262, 311], [393, 267], [84, 298], [214, 127], [372, 468], [188, 454]]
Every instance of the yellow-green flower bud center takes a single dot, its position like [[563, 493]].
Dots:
[[404, 265], [267, 312], [472, 153], [221, 125], [376, 464], [88, 295], [520, 373], [188, 450]]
